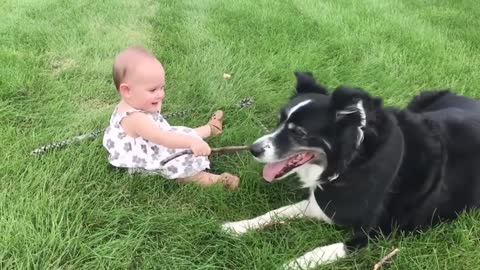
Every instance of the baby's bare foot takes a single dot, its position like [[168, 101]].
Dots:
[[216, 123], [230, 181]]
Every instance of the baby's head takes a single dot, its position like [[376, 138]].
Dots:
[[139, 78]]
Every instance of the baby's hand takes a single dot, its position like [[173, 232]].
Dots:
[[200, 148]]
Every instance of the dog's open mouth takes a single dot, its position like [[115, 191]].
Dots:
[[275, 170]]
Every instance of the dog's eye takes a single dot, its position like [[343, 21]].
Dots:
[[298, 131]]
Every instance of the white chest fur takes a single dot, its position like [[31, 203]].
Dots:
[[309, 175]]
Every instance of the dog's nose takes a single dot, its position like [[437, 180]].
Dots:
[[256, 149]]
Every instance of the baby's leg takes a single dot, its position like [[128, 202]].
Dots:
[[213, 127], [203, 131], [207, 179]]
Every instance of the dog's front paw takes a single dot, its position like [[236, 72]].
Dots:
[[318, 256], [297, 264], [238, 228]]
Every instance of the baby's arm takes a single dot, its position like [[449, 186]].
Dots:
[[141, 125]]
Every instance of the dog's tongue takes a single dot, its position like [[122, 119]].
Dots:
[[273, 169]]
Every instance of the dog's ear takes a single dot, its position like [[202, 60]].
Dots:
[[351, 108], [307, 84], [353, 103]]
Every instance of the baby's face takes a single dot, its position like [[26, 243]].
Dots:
[[147, 86]]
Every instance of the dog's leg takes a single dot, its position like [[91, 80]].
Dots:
[[331, 253], [287, 212], [318, 256]]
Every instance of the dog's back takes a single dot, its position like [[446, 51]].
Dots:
[[440, 176], [440, 104]]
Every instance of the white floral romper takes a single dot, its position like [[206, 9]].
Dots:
[[139, 154]]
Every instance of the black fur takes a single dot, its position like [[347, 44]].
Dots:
[[413, 168]]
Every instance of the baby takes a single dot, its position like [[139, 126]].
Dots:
[[139, 138]]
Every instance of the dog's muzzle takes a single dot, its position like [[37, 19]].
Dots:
[[257, 149]]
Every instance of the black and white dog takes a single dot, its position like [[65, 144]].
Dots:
[[370, 167]]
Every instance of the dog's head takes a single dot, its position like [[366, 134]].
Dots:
[[316, 129]]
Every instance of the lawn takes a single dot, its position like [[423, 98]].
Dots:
[[68, 209]]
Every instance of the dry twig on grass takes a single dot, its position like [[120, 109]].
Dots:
[[214, 150], [385, 259]]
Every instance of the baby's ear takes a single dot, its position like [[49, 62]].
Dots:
[[307, 84], [124, 90]]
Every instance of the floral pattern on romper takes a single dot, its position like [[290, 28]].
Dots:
[[139, 154]]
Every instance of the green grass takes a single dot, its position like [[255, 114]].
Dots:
[[68, 210]]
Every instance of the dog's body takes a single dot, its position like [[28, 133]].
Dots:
[[369, 167]]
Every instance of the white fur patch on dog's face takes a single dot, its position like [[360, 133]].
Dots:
[[296, 107], [282, 144], [266, 142]]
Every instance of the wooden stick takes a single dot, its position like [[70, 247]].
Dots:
[[214, 150], [385, 259]]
